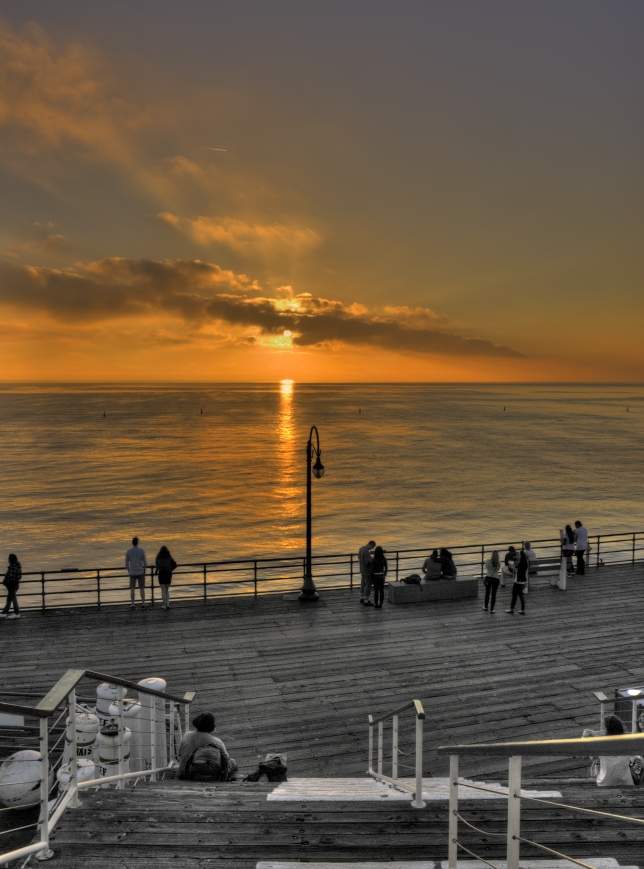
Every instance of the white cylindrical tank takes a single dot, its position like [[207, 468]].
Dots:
[[107, 744], [87, 725], [106, 694], [146, 700], [131, 710], [20, 778], [85, 771]]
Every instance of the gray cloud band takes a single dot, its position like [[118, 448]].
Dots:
[[200, 292]]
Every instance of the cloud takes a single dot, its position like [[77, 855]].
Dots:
[[201, 294], [245, 237], [62, 99]]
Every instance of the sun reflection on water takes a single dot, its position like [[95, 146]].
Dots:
[[287, 492]]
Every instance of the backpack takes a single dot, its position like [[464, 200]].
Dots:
[[206, 763], [414, 579]]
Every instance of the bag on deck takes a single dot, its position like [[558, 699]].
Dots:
[[272, 768], [414, 579]]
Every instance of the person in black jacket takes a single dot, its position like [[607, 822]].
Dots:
[[165, 564], [379, 569], [11, 582], [519, 584]]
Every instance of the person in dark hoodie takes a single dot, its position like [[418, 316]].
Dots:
[[519, 584], [11, 582], [202, 756]]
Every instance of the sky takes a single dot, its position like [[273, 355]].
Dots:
[[347, 190]]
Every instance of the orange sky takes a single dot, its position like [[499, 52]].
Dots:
[[417, 192]]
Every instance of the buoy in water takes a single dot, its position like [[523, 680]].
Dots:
[[20, 778]]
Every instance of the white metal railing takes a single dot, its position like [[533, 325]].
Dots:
[[378, 774], [51, 751], [601, 745]]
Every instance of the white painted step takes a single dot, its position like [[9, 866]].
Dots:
[[366, 789]]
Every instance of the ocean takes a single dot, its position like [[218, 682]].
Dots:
[[218, 471]]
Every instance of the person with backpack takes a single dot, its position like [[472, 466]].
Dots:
[[11, 582], [202, 756], [379, 569], [164, 566]]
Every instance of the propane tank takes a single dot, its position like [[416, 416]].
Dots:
[[87, 726], [20, 778], [85, 771], [131, 710], [107, 744]]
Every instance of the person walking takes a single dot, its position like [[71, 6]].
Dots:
[[379, 569], [136, 562], [567, 536], [581, 545], [519, 584], [11, 582], [364, 559], [492, 567], [164, 565]]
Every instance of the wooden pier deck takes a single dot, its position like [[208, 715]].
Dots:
[[302, 678]]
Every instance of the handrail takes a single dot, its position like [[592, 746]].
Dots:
[[415, 703], [64, 692], [628, 743], [68, 682], [623, 745]]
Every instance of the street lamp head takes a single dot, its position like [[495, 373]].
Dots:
[[318, 468]]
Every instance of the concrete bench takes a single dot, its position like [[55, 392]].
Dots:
[[439, 589], [554, 567]]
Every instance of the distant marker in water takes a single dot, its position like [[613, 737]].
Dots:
[[503, 407], [202, 409], [359, 410], [103, 413]]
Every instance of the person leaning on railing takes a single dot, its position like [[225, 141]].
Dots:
[[614, 772], [11, 582]]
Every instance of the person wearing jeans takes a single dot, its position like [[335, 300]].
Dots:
[[378, 573], [519, 584], [364, 559], [11, 582], [491, 580], [581, 545]]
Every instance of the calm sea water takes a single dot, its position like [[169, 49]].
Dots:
[[410, 465]]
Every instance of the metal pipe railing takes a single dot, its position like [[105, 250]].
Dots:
[[393, 779], [100, 586], [51, 755], [599, 745]]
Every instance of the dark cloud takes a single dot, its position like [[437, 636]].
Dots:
[[200, 293]]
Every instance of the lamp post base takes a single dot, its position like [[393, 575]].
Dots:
[[308, 592]]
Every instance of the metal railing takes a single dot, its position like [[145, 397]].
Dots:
[[49, 744], [378, 774], [205, 580], [514, 751]]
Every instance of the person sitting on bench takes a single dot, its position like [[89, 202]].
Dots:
[[432, 566], [448, 568], [202, 756]]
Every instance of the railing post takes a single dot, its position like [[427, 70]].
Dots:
[[98, 588], [151, 586], [380, 729], [255, 577], [370, 767], [397, 560], [153, 740], [514, 812], [186, 717], [633, 559], [417, 802], [73, 759], [42, 590], [394, 747], [173, 726], [351, 570], [483, 560], [205, 583], [633, 715], [452, 850], [599, 537], [43, 822], [121, 737]]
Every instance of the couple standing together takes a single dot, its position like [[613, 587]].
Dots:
[[373, 570]]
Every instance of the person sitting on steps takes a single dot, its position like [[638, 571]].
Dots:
[[202, 756]]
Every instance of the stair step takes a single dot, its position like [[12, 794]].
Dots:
[[596, 862]]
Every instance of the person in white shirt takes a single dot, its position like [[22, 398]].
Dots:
[[135, 562], [581, 545], [532, 558], [614, 771]]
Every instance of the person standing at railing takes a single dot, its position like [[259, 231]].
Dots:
[[508, 571], [136, 562], [581, 545], [519, 584], [164, 566], [568, 547], [492, 566], [379, 569], [11, 582], [364, 560]]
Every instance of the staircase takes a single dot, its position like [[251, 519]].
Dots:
[[239, 825]]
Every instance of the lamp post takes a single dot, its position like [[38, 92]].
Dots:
[[308, 592]]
